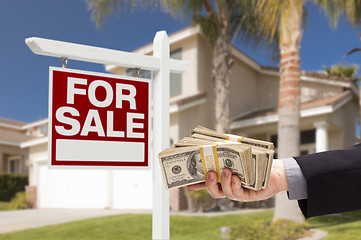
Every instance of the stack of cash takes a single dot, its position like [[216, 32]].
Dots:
[[205, 150]]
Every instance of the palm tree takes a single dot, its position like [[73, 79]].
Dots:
[[286, 18], [221, 21], [342, 70]]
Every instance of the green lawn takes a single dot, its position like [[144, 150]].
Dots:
[[4, 206], [138, 226], [338, 226]]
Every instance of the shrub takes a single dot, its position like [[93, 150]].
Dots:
[[20, 201], [201, 200], [281, 229], [10, 184]]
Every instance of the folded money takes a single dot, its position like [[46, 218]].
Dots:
[[189, 165], [206, 149], [259, 163]]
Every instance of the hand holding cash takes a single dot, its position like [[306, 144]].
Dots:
[[206, 154], [231, 185]]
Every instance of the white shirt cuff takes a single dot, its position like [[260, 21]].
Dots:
[[297, 185]]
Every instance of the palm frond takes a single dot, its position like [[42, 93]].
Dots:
[[182, 8], [334, 9], [352, 51], [343, 70], [208, 27], [102, 9]]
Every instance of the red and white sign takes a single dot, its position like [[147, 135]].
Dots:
[[98, 119]]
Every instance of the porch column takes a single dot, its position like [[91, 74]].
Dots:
[[1, 162], [321, 136]]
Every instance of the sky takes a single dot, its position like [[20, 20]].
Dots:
[[24, 76]]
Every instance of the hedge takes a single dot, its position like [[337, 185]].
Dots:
[[11, 183]]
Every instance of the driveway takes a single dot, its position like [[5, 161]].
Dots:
[[11, 221]]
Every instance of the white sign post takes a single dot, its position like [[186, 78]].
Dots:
[[162, 66], [161, 135]]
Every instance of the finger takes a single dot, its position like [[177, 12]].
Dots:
[[237, 188], [197, 186], [212, 185], [226, 183]]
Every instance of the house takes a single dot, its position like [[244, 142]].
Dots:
[[329, 116], [15, 138]]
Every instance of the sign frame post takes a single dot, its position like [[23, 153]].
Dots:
[[162, 65], [160, 136]]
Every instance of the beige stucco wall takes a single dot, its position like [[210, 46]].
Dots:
[[336, 139], [313, 90], [345, 120], [243, 89], [267, 91], [190, 118]]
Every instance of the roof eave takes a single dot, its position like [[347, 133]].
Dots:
[[9, 143], [34, 142], [309, 112]]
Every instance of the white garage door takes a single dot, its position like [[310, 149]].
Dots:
[[119, 189], [132, 189]]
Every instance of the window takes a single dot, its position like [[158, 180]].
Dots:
[[14, 165], [43, 130], [304, 152], [307, 136], [176, 78], [308, 139]]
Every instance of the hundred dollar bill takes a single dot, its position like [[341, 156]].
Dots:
[[258, 170], [189, 165]]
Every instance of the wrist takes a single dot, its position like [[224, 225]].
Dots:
[[280, 171]]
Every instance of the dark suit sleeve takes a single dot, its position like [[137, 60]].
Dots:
[[333, 181]]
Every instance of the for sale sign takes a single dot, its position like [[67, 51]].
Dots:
[[98, 119]]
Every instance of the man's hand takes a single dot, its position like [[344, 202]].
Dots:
[[231, 185]]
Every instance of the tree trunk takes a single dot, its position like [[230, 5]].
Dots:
[[359, 120], [221, 65], [220, 73], [289, 102]]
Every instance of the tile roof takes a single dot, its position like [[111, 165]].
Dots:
[[327, 101], [188, 99], [319, 75], [14, 123], [14, 136]]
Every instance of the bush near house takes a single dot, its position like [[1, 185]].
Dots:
[[11, 183], [21, 201], [281, 229]]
